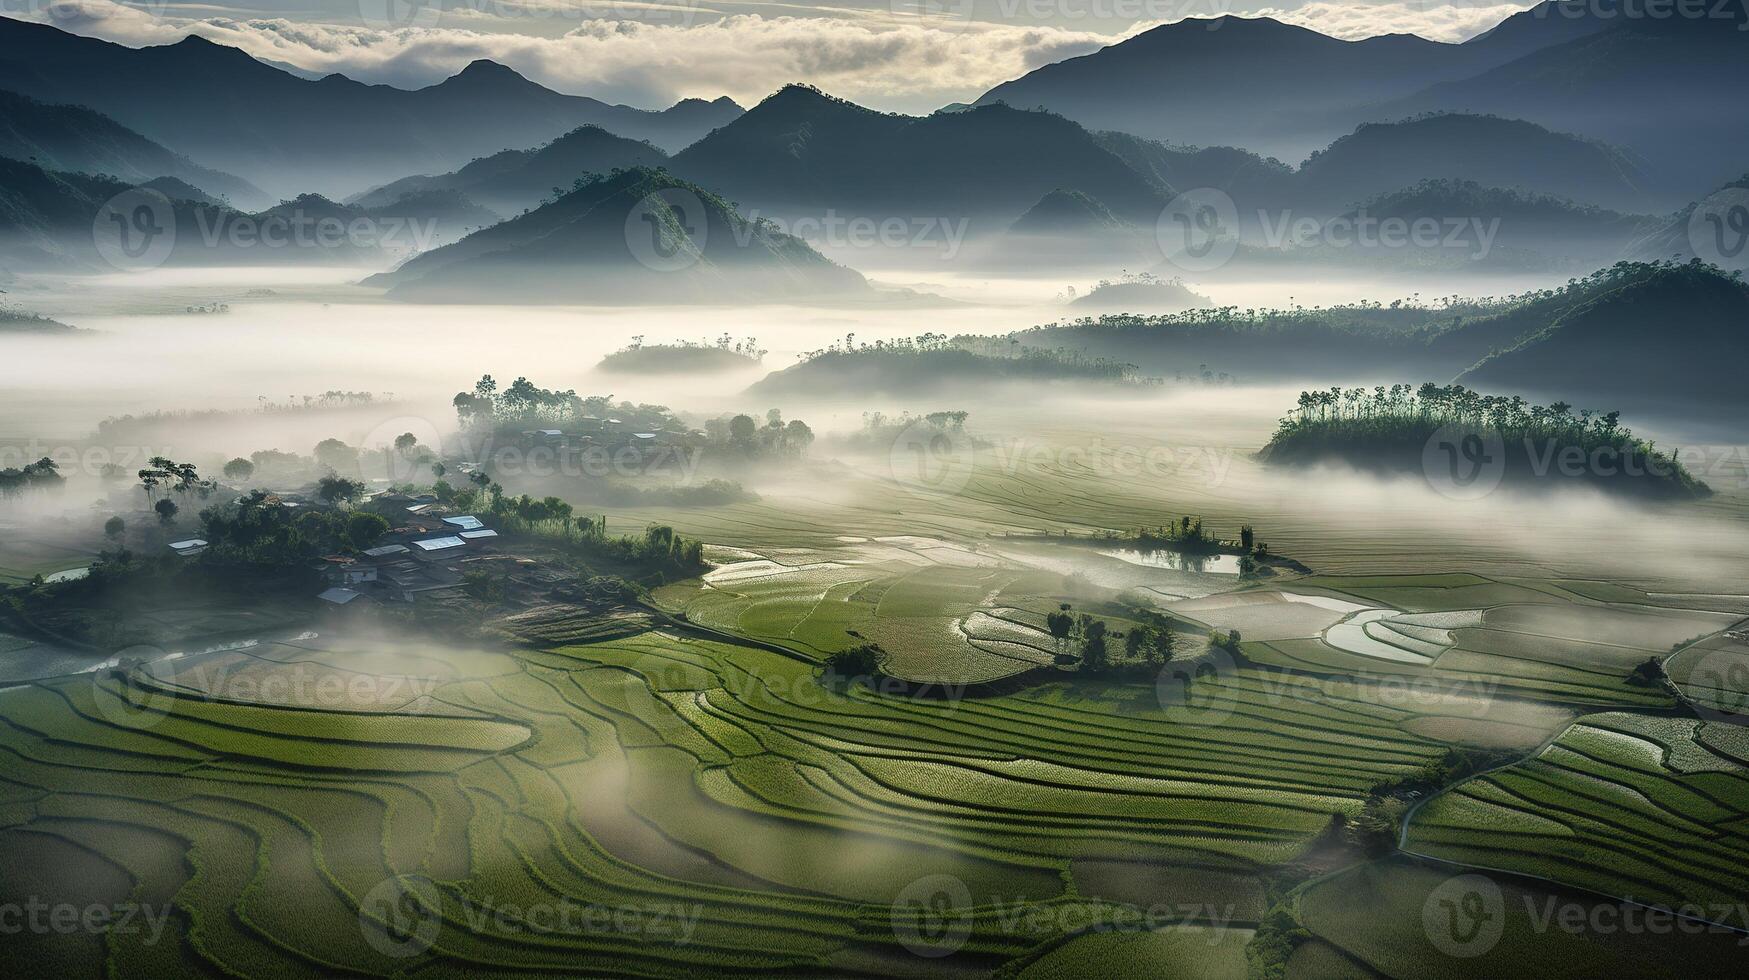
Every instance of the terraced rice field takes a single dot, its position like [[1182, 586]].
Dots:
[[712, 782], [688, 798], [1649, 807]]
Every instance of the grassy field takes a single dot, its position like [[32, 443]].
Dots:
[[685, 796]]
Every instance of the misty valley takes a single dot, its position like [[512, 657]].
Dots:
[[1237, 499]]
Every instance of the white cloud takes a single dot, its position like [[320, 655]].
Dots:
[[867, 60], [651, 52], [1355, 19]]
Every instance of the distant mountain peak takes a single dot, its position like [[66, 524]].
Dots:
[[486, 74]]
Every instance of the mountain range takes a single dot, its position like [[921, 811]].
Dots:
[[1656, 85], [633, 236], [803, 152], [516, 180], [334, 135], [78, 140]]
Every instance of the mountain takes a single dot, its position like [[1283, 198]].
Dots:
[[1661, 87], [1064, 212], [289, 134], [62, 222], [1714, 230], [1256, 181], [1656, 337], [78, 140], [636, 235], [1557, 229], [803, 152], [516, 180], [1508, 153], [1252, 82]]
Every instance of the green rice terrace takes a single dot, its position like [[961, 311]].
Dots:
[[761, 816]]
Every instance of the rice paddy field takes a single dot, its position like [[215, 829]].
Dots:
[[686, 794]]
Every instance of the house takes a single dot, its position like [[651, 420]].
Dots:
[[466, 522], [339, 597], [189, 548], [439, 544], [385, 551]]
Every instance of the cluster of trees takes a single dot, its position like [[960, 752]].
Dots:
[[258, 530], [179, 481], [747, 347], [41, 476], [942, 352], [1405, 414], [744, 435], [1146, 644], [865, 661], [879, 430], [523, 405], [1186, 536]]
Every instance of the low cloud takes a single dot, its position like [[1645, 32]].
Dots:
[[898, 66], [650, 53], [1355, 19]]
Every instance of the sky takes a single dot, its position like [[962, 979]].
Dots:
[[894, 55]]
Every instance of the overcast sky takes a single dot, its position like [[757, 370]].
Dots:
[[898, 55]]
